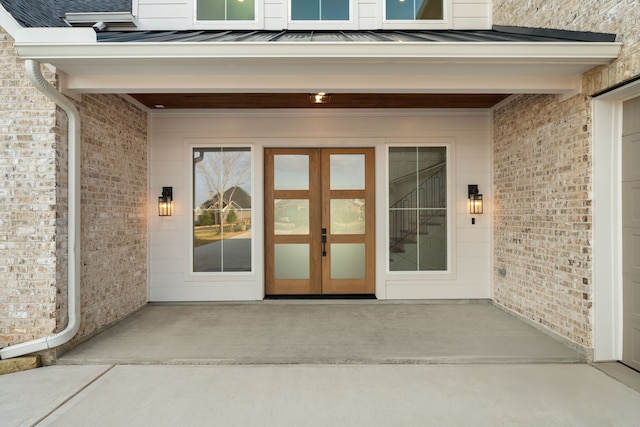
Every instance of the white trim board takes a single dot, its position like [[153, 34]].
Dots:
[[607, 216]]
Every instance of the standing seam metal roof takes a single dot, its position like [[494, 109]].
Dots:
[[48, 13], [497, 34]]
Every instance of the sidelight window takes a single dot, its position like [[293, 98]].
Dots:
[[222, 209], [418, 228]]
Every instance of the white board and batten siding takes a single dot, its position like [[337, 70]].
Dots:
[[471, 15], [163, 14], [180, 15], [466, 134]]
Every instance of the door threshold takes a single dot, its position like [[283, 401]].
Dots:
[[322, 297]]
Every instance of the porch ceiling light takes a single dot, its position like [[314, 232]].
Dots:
[[165, 202], [320, 98], [475, 201]]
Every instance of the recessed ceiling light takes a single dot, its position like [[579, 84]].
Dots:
[[319, 98], [159, 106]]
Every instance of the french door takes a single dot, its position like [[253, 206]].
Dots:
[[319, 221]]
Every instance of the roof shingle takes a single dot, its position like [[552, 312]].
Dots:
[[28, 15], [49, 13]]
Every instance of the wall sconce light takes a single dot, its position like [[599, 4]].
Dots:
[[475, 202], [165, 202]]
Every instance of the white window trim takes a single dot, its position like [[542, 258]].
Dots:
[[607, 222], [420, 276], [351, 24], [401, 24], [255, 24], [226, 276]]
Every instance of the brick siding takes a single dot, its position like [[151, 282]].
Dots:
[[33, 208], [608, 16], [28, 203], [543, 172], [114, 210], [543, 218]]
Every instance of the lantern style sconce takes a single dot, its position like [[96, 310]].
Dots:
[[165, 202], [475, 202]]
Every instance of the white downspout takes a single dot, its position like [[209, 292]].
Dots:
[[73, 264]]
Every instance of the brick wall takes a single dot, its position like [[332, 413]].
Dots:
[[33, 208], [543, 175], [542, 223], [114, 210], [608, 16], [28, 206]]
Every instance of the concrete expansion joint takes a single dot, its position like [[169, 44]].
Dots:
[[451, 360]]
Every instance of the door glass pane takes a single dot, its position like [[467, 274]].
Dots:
[[222, 209], [347, 260], [292, 261], [346, 171], [291, 172], [347, 216], [418, 209], [291, 216]]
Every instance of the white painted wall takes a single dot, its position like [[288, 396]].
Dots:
[[471, 14], [272, 15], [466, 132]]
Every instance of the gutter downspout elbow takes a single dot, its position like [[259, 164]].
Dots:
[[73, 264]]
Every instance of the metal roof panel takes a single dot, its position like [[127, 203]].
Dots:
[[472, 36]]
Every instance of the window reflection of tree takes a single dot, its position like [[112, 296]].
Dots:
[[222, 171], [223, 176]]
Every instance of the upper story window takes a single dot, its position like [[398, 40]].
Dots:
[[414, 10], [322, 14], [225, 10], [320, 10]]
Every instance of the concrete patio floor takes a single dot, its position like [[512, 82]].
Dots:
[[321, 332], [336, 363]]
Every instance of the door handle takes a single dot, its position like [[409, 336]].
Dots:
[[324, 242]]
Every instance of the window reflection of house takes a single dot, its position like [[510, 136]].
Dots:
[[347, 216], [234, 199]]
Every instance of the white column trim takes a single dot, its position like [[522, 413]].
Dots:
[[607, 221]]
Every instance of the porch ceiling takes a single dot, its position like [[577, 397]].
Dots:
[[306, 65], [302, 100]]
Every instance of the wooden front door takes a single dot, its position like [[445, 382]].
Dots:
[[319, 221]]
